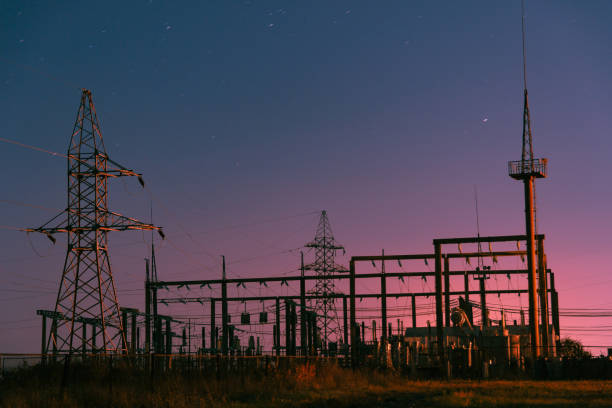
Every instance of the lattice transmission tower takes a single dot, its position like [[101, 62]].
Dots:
[[325, 247], [87, 295]]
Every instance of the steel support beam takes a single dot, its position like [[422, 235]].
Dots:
[[414, 317], [534, 326], [278, 336], [483, 301], [383, 299], [446, 292], [543, 290], [147, 310], [439, 317], [345, 318], [554, 300], [224, 329], [303, 341], [475, 240], [354, 341], [213, 328]]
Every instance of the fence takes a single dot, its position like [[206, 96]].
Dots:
[[420, 365]]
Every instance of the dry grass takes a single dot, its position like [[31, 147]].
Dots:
[[300, 386]]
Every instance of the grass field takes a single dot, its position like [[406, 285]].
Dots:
[[301, 386]]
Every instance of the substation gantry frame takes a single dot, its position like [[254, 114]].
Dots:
[[442, 293]]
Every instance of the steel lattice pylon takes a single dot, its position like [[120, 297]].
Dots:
[[87, 295], [325, 247]]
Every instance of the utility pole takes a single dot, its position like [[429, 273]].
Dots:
[[87, 288], [213, 328], [303, 308], [157, 329], [383, 301], [224, 322], [147, 310]]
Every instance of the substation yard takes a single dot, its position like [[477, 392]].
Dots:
[[298, 386]]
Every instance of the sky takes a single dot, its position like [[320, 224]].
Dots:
[[247, 118]]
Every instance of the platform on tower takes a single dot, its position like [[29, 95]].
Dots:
[[522, 169]]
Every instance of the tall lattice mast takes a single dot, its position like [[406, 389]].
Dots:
[[527, 170], [86, 294], [325, 247]]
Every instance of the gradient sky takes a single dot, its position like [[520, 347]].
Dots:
[[247, 118]]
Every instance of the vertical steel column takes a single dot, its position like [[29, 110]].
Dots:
[[156, 323], [354, 355], [534, 326], [293, 328], [345, 318], [277, 326], [483, 302], [287, 327], [466, 285], [213, 329], [189, 338], [543, 297], [168, 337], [147, 309], [554, 300], [203, 338], [309, 329], [224, 332], [439, 314], [43, 344], [414, 317], [446, 292], [383, 299], [362, 331], [303, 340], [134, 344], [124, 324]]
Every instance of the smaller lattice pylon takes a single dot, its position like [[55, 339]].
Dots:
[[325, 247]]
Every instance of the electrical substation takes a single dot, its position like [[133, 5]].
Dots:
[[475, 306], [441, 311]]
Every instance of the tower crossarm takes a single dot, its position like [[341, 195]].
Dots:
[[91, 167], [118, 222], [334, 268], [324, 245], [113, 222], [121, 171]]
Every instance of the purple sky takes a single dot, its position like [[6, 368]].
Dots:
[[247, 118]]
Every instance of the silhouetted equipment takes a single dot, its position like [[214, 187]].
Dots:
[[527, 170], [87, 290], [460, 318], [263, 317], [325, 247], [245, 318]]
